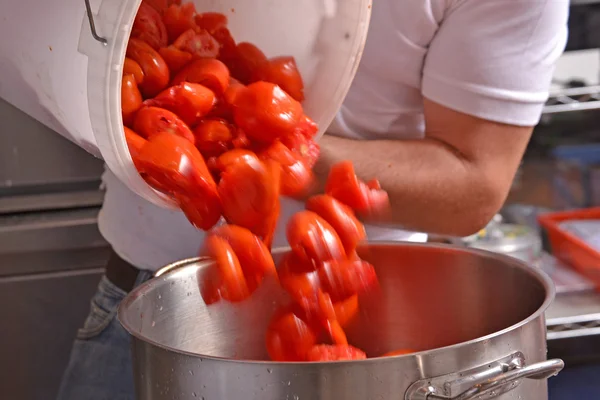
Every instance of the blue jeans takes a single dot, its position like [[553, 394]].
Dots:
[[100, 364]]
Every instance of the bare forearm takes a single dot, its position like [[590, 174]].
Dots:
[[431, 187]]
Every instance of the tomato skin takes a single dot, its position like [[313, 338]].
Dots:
[[289, 338], [255, 258], [176, 59], [325, 352], [234, 287], [283, 72], [265, 112], [344, 278], [150, 121], [343, 184], [296, 176], [209, 72], [304, 146], [189, 101], [211, 21], [248, 60], [131, 99], [149, 27], [228, 47], [313, 238], [134, 142], [178, 19], [130, 67], [213, 137], [248, 194], [341, 218], [156, 72]]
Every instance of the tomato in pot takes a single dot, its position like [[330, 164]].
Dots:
[[150, 121], [296, 176], [156, 72], [289, 337], [149, 27], [326, 352]]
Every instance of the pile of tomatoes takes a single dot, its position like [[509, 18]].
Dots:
[[220, 129]]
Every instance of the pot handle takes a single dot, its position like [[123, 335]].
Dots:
[[538, 371]]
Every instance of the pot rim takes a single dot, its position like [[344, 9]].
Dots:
[[542, 277]]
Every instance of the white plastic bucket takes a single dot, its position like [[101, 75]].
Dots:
[[52, 68]]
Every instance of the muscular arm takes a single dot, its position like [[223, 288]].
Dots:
[[451, 182]]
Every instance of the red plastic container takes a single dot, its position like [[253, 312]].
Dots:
[[569, 248]]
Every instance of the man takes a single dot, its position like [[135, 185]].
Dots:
[[441, 111]]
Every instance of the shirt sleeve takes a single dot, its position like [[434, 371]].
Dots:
[[494, 59]]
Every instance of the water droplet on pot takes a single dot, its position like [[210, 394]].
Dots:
[[194, 394], [269, 370]]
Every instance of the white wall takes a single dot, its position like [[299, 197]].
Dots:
[[583, 64]]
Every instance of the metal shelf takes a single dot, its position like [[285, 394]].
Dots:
[[573, 99]]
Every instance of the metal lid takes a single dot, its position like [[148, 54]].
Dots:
[[504, 238]]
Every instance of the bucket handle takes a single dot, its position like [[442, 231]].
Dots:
[[88, 9], [508, 378]]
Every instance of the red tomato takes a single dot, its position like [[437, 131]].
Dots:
[[307, 127], [345, 310], [398, 353], [283, 72], [248, 60], [175, 58], [265, 112], [343, 278], [213, 137], [296, 176], [289, 338], [255, 258], [177, 167], [158, 5], [233, 90], [209, 72], [210, 287], [305, 147], [313, 238], [344, 185], [248, 194], [130, 67], [203, 213], [240, 141], [341, 218], [211, 21], [228, 48], [234, 287], [325, 352], [131, 99], [134, 142], [234, 156], [149, 27], [270, 223], [150, 121], [179, 19], [189, 101], [156, 72], [199, 44], [300, 280]]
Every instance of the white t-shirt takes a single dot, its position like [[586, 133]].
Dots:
[[493, 59]]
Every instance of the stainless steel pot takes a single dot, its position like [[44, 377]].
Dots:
[[475, 317]]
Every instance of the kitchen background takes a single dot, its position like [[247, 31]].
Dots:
[[52, 255]]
